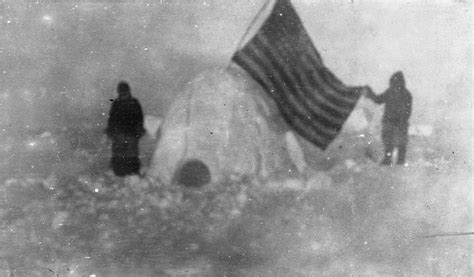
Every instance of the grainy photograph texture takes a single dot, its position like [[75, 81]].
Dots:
[[236, 138]]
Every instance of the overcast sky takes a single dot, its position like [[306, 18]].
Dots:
[[73, 54]]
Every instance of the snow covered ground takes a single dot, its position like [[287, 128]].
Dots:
[[72, 217]]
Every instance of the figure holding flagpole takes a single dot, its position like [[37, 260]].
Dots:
[[398, 104]]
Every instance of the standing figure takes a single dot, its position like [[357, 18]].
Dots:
[[398, 103], [125, 127]]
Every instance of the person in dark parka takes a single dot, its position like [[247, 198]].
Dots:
[[124, 128], [398, 105]]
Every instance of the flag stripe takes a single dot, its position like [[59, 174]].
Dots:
[[303, 95], [290, 96], [298, 85], [317, 94], [283, 60], [326, 90], [284, 95], [294, 122], [306, 51], [345, 93], [311, 135]]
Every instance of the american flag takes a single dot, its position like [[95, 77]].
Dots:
[[283, 60]]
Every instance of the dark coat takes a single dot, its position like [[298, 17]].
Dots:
[[125, 127], [397, 100], [126, 118], [398, 105]]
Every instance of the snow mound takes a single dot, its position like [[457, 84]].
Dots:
[[224, 120]]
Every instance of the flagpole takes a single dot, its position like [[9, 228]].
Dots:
[[264, 6]]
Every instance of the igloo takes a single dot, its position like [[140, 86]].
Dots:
[[225, 125]]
